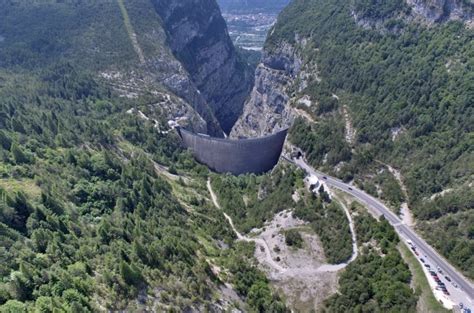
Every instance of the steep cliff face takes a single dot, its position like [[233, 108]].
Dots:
[[198, 37], [282, 76], [267, 109], [184, 46], [155, 70]]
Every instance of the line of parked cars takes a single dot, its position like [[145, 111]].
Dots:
[[464, 309], [441, 285]]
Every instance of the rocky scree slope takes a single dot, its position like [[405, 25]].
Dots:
[[443, 10]]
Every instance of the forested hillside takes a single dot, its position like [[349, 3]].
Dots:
[[138, 47], [92, 214], [406, 88], [89, 221], [101, 208], [379, 279]]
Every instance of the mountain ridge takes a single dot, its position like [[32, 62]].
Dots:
[[128, 52], [401, 84]]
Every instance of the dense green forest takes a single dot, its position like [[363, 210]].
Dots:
[[409, 91], [76, 219], [91, 33], [100, 211], [86, 223], [329, 221], [378, 280]]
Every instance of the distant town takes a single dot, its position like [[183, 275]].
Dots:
[[249, 30], [248, 24]]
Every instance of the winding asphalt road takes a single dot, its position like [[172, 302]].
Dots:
[[402, 229]]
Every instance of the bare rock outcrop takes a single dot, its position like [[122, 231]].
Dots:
[[267, 109], [198, 37], [442, 10]]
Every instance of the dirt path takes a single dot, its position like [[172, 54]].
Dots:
[[304, 114], [288, 271], [355, 250], [269, 259], [350, 131]]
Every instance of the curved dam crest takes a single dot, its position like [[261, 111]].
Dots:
[[253, 155]]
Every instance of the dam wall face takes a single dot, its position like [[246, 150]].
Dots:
[[237, 157]]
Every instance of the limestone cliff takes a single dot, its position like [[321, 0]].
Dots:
[[267, 108], [173, 57], [282, 75], [197, 35], [184, 47]]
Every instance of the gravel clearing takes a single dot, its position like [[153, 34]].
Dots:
[[301, 275]]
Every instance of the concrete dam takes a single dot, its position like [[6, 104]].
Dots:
[[255, 155]]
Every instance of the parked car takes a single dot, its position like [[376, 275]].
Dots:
[[350, 188], [455, 285], [447, 278], [324, 177], [422, 260]]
